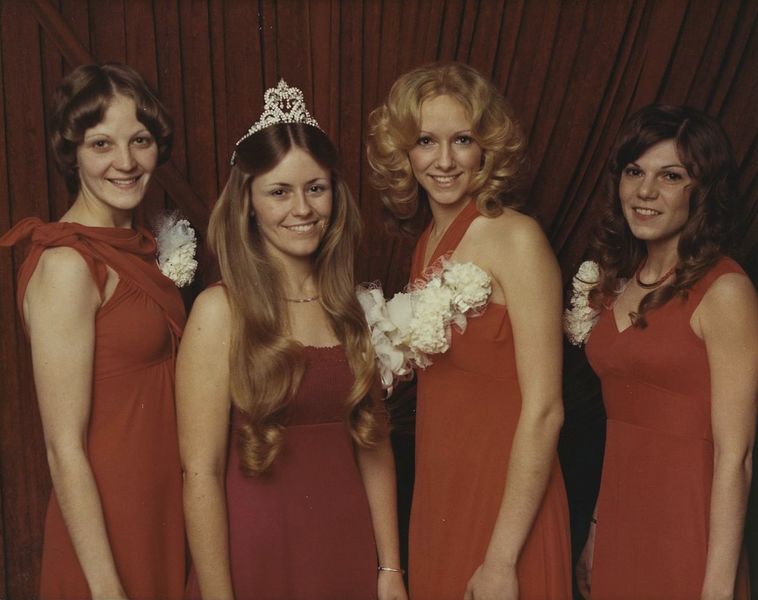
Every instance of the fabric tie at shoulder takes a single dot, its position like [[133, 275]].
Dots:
[[129, 252], [135, 241]]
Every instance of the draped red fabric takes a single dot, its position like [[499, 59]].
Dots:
[[132, 253], [572, 69]]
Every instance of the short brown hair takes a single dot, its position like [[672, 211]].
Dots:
[[80, 102]]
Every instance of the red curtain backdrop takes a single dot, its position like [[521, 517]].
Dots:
[[573, 70]]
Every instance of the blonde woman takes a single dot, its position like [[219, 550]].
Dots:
[[489, 516], [289, 475]]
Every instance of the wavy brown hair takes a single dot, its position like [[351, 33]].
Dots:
[[394, 129], [266, 366], [705, 152], [80, 102]]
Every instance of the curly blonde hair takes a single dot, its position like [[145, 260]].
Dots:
[[265, 366], [395, 125]]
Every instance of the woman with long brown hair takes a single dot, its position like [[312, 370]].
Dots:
[[289, 478], [676, 349]]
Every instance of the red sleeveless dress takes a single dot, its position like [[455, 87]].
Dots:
[[132, 436], [468, 407], [654, 503], [302, 531]]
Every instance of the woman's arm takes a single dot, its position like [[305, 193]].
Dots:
[[586, 558], [202, 406], [377, 467], [523, 265], [727, 318], [60, 306]]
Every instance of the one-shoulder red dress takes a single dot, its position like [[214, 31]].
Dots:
[[468, 408]]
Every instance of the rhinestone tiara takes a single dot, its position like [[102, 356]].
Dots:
[[281, 104]]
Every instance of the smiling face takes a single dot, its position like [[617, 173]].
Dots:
[[292, 204], [115, 161], [446, 156], [655, 194]]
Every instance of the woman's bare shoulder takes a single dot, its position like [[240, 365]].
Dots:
[[62, 271], [212, 304], [511, 233]]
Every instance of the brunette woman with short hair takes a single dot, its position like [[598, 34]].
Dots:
[[104, 324]]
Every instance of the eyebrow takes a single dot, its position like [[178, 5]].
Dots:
[[677, 165], [461, 132], [142, 131], [285, 184]]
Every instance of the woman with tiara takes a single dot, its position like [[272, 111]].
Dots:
[[489, 517], [676, 350], [289, 475], [104, 323]]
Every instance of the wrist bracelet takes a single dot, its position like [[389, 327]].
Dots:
[[380, 568]]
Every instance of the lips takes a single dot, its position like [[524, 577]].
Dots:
[[301, 227], [445, 180], [124, 182], [646, 212]]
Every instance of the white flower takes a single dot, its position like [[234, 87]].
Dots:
[[176, 248], [579, 320], [432, 312], [470, 285], [385, 334], [417, 323]]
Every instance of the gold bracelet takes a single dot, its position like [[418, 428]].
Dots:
[[380, 568]]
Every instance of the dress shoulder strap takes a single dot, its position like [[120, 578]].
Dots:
[[723, 266], [458, 228], [449, 241]]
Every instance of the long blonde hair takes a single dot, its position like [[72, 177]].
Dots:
[[265, 366]]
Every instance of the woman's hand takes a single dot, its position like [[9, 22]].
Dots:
[[390, 586], [584, 565], [377, 468], [490, 583]]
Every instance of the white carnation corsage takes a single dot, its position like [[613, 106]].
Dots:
[[580, 318], [176, 248], [417, 323]]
